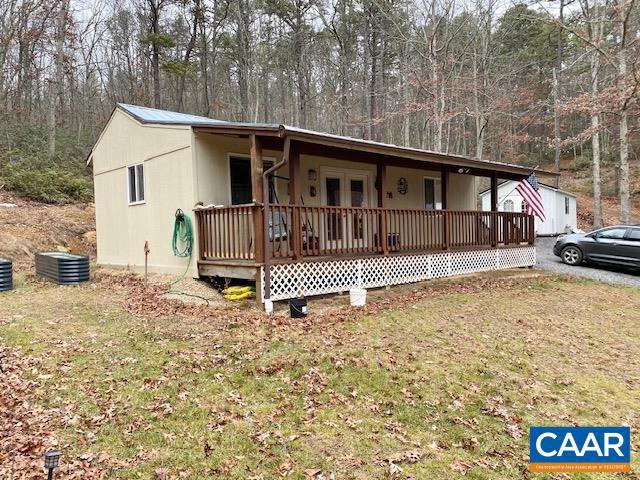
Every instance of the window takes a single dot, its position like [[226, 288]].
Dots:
[[523, 206], [566, 205], [613, 233], [240, 179], [634, 234], [135, 176], [432, 193], [508, 206]]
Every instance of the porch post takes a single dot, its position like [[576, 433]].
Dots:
[[294, 199], [381, 183], [256, 196], [446, 232], [445, 188], [494, 209]]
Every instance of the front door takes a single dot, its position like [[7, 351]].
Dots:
[[344, 228]]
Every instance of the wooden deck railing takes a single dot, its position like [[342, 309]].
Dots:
[[226, 233], [323, 230]]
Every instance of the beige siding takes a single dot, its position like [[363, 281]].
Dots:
[[463, 192], [182, 168], [212, 172], [121, 228], [212, 166]]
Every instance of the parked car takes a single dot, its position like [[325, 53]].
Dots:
[[618, 245]]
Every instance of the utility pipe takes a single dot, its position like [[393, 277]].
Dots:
[[265, 220]]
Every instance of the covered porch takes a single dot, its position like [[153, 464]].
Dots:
[[307, 209]]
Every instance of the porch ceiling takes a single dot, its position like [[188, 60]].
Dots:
[[346, 148]]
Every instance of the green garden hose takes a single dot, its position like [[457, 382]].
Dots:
[[182, 234]]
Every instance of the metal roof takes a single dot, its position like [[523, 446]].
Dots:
[[164, 117], [543, 185], [153, 115]]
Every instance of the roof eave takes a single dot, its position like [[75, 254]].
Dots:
[[408, 152]]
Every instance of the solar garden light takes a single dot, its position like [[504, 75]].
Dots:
[[51, 459]]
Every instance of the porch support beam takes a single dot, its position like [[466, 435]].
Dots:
[[381, 174], [256, 195], [446, 234], [445, 187], [286, 150], [295, 196], [494, 209], [381, 184], [494, 192]]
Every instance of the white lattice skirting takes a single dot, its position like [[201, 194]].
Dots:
[[332, 276]]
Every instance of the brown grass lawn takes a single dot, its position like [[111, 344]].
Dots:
[[435, 381]]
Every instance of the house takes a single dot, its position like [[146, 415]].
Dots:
[[559, 206], [299, 212]]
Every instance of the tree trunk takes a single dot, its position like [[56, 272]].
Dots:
[[155, 51], [595, 143], [556, 97], [56, 88], [197, 12], [624, 129], [242, 42], [556, 129], [204, 59], [480, 118]]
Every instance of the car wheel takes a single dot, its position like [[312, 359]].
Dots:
[[571, 255]]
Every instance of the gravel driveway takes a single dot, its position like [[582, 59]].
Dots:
[[548, 261]]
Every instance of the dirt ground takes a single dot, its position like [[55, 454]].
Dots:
[[33, 227]]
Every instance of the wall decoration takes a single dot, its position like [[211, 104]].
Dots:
[[403, 186], [312, 191], [312, 175]]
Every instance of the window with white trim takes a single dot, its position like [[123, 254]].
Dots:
[[135, 180], [508, 205], [566, 205], [523, 206]]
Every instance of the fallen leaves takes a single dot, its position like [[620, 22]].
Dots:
[[393, 396], [27, 430], [496, 408], [460, 466]]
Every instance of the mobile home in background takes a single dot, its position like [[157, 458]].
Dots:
[[559, 205]]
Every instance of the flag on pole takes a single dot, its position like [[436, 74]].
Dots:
[[529, 190]]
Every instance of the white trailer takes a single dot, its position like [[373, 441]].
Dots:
[[560, 206]]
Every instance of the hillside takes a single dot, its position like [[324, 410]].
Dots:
[[32, 227], [578, 181]]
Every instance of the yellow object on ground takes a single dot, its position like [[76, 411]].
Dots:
[[238, 290], [240, 296]]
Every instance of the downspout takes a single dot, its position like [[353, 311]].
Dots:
[[265, 213]]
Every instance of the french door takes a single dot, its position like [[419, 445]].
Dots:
[[344, 188]]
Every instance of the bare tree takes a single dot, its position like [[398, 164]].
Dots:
[[156, 40], [56, 87], [623, 12]]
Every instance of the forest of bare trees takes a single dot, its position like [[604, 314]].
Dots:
[[535, 84]]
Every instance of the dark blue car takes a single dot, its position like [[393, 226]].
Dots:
[[619, 246]]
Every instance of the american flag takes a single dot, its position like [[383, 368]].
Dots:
[[529, 190]]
